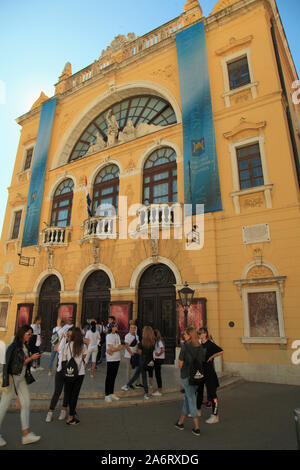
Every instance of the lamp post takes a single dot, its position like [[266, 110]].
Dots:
[[186, 295]]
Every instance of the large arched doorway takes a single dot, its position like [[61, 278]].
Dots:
[[49, 300], [96, 297], [157, 305]]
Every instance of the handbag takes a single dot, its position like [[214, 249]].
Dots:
[[29, 377]]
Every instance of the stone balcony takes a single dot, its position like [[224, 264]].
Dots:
[[100, 227], [56, 236]]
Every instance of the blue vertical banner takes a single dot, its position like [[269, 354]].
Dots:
[[36, 187], [201, 175]]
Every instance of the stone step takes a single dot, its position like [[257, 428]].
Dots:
[[130, 398]]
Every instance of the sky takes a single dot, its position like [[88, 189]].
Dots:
[[38, 37]]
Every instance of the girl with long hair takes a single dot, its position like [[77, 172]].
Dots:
[[189, 351], [92, 338], [16, 374], [145, 350], [211, 350], [159, 357], [76, 349]]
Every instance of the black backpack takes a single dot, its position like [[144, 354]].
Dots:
[[196, 370], [70, 369]]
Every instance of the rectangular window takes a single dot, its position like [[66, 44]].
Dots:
[[249, 166], [238, 72], [263, 315], [3, 314], [16, 226], [28, 158]]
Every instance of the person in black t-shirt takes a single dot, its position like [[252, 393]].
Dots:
[[211, 350]]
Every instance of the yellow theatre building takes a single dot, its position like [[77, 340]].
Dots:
[[186, 141]]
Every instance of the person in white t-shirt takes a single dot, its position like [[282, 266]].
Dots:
[[159, 357], [59, 379], [113, 358], [36, 328], [76, 349], [57, 333], [92, 339], [131, 346]]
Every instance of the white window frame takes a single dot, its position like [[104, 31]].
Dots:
[[5, 300], [23, 160], [247, 339], [266, 187], [252, 86]]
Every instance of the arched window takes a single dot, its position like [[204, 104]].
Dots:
[[134, 111], [106, 191], [62, 204], [160, 177]]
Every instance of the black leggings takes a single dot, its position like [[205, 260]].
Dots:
[[111, 374], [157, 369], [211, 393], [58, 387], [72, 392]]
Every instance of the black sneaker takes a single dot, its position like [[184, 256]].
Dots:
[[132, 387], [179, 426], [139, 385], [196, 432], [73, 422]]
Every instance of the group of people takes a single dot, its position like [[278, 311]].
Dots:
[[75, 346]]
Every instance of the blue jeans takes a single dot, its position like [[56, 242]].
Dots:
[[189, 402], [140, 370], [52, 357]]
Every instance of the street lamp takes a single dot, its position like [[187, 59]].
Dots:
[[186, 296]]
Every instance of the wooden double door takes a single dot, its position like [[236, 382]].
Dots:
[[49, 300], [157, 305], [96, 298]]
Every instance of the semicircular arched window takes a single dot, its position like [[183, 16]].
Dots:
[[106, 191], [128, 119], [160, 177], [62, 204]]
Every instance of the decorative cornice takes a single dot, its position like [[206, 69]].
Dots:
[[244, 125], [233, 42]]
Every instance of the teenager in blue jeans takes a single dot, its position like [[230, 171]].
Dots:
[[189, 350], [145, 350]]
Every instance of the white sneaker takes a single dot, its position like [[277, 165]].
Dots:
[[2, 442], [114, 397], [125, 388], [30, 438], [62, 415], [40, 368], [146, 397], [213, 419], [108, 399], [49, 417], [32, 369], [157, 394]]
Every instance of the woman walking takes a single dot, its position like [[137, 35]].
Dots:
[[76, 350], [190, 351], [145, 350], [16, 374], [159, 357], [113, 358], [92, 338], [59, 380], [211, 350]]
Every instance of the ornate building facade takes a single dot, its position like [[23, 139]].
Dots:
[[173, 158]]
